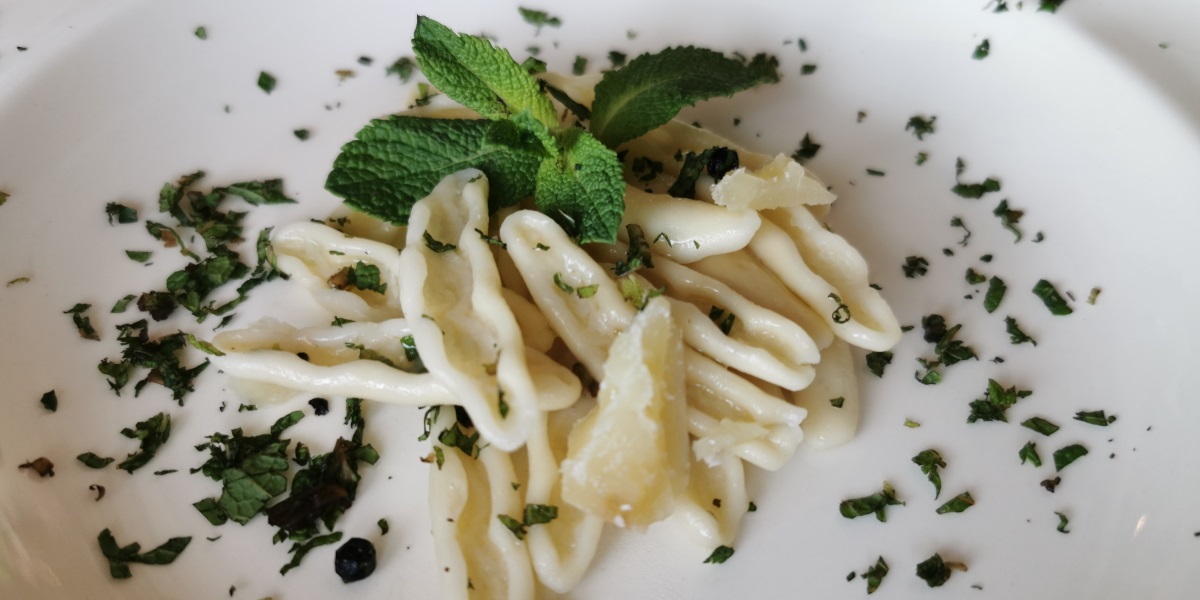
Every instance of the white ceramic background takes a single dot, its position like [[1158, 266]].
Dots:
[[1091, 126]]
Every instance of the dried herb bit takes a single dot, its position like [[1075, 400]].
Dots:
[[841, 314], [579, 67], [616, 59], [1040, 425], [50, 401], [538, 18], [92, 461], [719, 555], [516, 527], [982, 50], [921, 126], [875, 504], [123, 214], [934, 571], [1095, 417], [160, 356], [1067, 455], [837, 402], [17, 281], [83, 323], [301, 549], [355, 560], [1045, 290], [120, 557], [434, 245], [1050, 6], [122, 304], [716, 161], [1009, 218], [922, 157], [251, 469], [402, 68], [538, 514], [807, 151], [958, 222], [99, 489], [1029, 452], [4, 196], [266, 82], [915, 266], [1051, 484], [957, 504], [1015, 335], [151, 435], [362, 276], [995, 403], [383, 527], [877, 361], [201, 33], [637, 255], [911, 424], [874, 575], [995, 294], [875, 172], [724, 320], [1095, 293], [301, 134], [973, 277], [930, 461], [808, 69], [40, 465], [973, 191], [1063, 521]]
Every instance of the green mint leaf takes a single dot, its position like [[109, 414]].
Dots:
[[538, 18], [837, 402], [436, 246], [930, 461], [933, 570], [653, 88], [582, 188], [719, 555], [875, 504], [393, 163], [93, 461], [1068, 455], [1050, 6], [268, 191], [537, 514], [972, 191], [957, 504], [921, 126], [300, 549], [982, 50], [873, 575], [151, 434], [1091, 417], [123, 214], [477, 74], [995, 293], [266, 82], [402, 68], [1045, 290], [807, 150], [1029, 452], [1040, 425], [878, 361], [83, 323], [513, 525], [1063, 521], [579, 67], [1015, 335], [201, 33]]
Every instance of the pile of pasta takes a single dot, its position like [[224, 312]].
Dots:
[[517, 324]]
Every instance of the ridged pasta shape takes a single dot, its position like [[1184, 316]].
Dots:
[[829, 274], [692, 230], [715, 502], [828, 426], [465, 331]]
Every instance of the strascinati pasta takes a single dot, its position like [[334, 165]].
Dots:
[[601, 393]]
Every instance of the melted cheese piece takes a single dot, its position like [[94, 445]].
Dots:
[[311, 253], [695, 229], [818, 265], [628, 458], [781, 183], [466, 333], [828, 426], [466, 497]]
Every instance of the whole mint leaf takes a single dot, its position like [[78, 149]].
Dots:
[[653, 88], [478, 75], [395, 162], [582, 188]]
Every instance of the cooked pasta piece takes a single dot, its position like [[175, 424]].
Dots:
[[828, 426], [692, 230], [715, 501], [466, 333]]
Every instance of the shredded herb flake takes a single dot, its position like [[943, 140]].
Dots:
[[957, 504], [921, 126], [875, 504], [994, 295], [719, 555], [1040, 425], [1095, 417], [930, 461], [1049, 296], [1015, 335], [915, 266], [877, 361], [873, 575], [1029, 452], [1067, 455]]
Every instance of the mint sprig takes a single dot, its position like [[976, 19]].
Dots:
[[573, 175]]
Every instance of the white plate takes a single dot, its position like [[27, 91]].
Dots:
[[1091, 126]]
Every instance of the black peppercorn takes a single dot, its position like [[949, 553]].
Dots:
[[320, 406], [354, 560]]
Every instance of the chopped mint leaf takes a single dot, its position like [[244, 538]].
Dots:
[[911, 424], [995, 294], [538, 514], [1040, 425], [1029, 452], [477, 74], [17, 281], [957, 504], [138, 255], [930, 461], [301, 549], [151, 435], [1095, 293], [877, 361], [982, 50], [646, 169], [995, 403], [301, 134], [875, 172], [123, 214], [538, 18], [1015, 335], [973, 277], [915, 266], [40, 465], [1045, 290], [653, 88], [266, 82], [83, 323], [202, 32], [533, 65], [807, 151], [50, 401], [579, 67], [516, 527], [841, 314], [724, 320], [973, 191], [616, 59], [4, 196], [837, 402], [719, 555], [808, 69], [1067, 455], [434, 245], [121, 304], [402, 68], [269, 191], [637, 255], [875, 504], [1009, 218], [93, 461], [873, 575], [1050, 6], [922, 157], [934, 571], [1063, 521], [958, 222], [362, 276], [562, 285], [120, 557], [383, 526], [454, 437], [921, 126], [1095, 417]]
